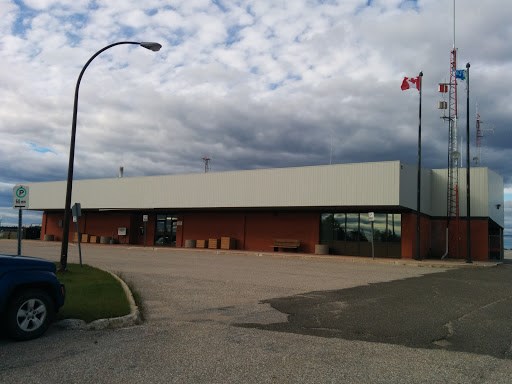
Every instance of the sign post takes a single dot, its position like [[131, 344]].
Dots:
[[76, 211], [20, 232], [20, 201], [145, 220], [371, 218]]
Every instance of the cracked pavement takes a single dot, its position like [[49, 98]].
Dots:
[[466, 310]]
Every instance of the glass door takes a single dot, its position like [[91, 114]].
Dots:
[[165, 230]]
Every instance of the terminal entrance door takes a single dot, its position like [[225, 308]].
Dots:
[[165, 230]]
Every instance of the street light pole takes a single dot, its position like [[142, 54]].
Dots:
[[69, 186]]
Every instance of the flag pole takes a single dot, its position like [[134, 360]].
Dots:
[[468, 187], [418, 203]]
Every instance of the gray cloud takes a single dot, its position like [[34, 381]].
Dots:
[[250, 84]]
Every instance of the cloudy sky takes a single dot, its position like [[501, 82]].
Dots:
[[250, 84]]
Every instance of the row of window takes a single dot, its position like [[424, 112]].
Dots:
[[356, 227]]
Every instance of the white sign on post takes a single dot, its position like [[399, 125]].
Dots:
[[145, 218], [76, 210], [371, 218], [20, 196]]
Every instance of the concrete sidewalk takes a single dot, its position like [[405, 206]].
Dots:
[[436, 263]]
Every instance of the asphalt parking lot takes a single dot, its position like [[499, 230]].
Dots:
[[466, 310], [253, 318]]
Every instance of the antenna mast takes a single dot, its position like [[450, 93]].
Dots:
[[452, 196], [479, 136], [206, 161], [453, 150]]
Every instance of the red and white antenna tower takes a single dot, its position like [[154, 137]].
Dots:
[[452, 196], [453, 136]]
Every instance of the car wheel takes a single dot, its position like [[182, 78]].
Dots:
[[29, 314]]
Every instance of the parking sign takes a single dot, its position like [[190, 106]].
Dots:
[[20, 196]]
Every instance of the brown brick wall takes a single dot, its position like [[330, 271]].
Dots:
[[409, 235], [256, 231], [210, 225], [263, 228], [458, 238]]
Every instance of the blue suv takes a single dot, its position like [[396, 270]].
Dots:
[[30, 295]]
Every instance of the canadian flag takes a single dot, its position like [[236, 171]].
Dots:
[[411, 82]]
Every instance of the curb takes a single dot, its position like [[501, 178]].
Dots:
[[427, 263], [133, 318]]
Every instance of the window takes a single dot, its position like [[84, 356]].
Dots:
[[353, 226], [394, 232], [379, 227], [340, 226], [350, 233]]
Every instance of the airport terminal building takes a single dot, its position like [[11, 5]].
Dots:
[[317, 208]]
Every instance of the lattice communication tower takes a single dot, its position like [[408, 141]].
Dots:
[[454, 158]]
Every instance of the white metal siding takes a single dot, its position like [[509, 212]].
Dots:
[[479, 192], [361, 184], [438, 192], [496, 197], [409, 188], [486, 193]]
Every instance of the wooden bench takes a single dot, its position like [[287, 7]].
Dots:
[[286, 244]]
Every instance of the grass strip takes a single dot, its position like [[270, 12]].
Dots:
[[91, 294]]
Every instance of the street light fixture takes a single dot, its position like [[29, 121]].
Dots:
[[152, 46]]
